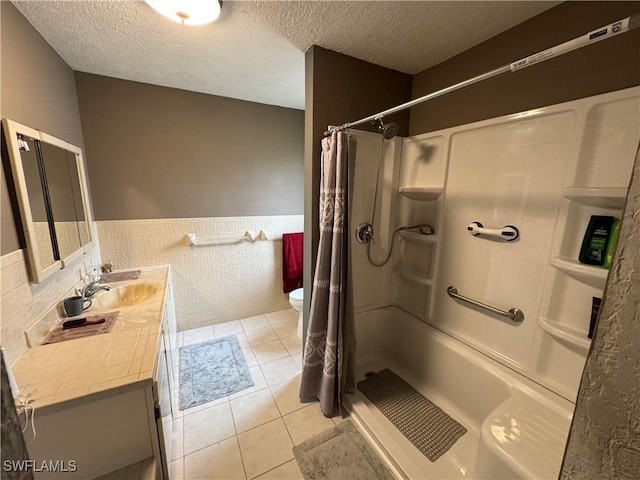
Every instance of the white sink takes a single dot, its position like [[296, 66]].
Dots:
[[125, 296]]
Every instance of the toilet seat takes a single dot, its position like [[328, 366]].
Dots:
[[296, 297]]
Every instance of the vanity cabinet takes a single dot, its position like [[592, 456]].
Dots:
[[111, 427], [165, 384]]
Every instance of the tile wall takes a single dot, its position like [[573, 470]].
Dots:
[[212, 283], [23, 302]]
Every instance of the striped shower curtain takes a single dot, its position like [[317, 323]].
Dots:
[[329, 346]]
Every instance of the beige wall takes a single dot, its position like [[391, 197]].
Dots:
[[602, 67], [9, 239], [157, 152], [340, 89], [37, 89]]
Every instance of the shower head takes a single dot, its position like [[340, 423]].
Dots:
[[389, 130]]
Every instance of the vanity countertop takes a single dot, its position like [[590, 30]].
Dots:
[[69, 372]]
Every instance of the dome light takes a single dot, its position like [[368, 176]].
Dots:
[[188, 12]]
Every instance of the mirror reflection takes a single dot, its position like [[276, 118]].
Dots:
[[75, 173], [57, 168], [32, 178]]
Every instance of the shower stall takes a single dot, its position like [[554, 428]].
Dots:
[[490, 326]]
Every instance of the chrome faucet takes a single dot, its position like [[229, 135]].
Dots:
[[91, 288]]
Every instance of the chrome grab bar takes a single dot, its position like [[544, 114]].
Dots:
[[514, 314]]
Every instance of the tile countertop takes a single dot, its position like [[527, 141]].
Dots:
[[70, 372]]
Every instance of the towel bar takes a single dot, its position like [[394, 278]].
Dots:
[[195, 242], [514, 314], [263, 235]]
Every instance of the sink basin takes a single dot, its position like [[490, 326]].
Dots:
[[125, 295]]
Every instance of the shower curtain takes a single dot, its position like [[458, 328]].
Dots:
[[329, 348]]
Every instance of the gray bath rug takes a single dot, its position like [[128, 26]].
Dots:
[[424, 424], [212, 370], [340, 453]]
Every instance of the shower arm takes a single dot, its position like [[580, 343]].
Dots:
[[599, 34]]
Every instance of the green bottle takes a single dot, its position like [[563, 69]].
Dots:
[[613, 241], [596, 239]]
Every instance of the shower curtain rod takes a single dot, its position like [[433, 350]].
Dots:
[[594, 36]]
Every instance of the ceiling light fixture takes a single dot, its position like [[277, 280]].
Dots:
[[188, 12]]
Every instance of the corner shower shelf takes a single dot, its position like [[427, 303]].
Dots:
[[424, 194], [565, 333], [413, 276], [579, 270], [417, 237], [605, 197]]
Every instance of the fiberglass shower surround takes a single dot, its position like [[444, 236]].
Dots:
[[529, 373], [502, 377]]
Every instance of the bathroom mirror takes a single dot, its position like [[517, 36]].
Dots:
[[51, 188]]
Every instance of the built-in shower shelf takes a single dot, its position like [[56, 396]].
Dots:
[[424, 194], [414, 237], [413, 276], [605, 197], [579, 270], [565, 333]]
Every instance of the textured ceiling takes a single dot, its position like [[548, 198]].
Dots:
[[255, 51]]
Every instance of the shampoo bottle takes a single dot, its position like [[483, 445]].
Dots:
[[613, 241], [596, 238]]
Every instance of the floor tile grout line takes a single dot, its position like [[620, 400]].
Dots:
[[183, 448], [244, 468], [277, 466], [182, 476], [233, 418], [235, 429], [247, 394], [289, 433], [272, 469], [210, 445], [288, 413], [185, 413], [264, 423]]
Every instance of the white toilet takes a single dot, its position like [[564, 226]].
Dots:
[[296, 301]]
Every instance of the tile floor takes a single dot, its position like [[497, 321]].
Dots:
[[250, 434]]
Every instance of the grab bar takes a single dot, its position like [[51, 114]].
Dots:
[[514, 314], [509, 233]]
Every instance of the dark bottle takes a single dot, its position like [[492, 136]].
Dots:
[[596, 238]]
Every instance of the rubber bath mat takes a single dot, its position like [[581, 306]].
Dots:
[[422, 422]]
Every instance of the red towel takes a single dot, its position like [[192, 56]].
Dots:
[[292, 250]]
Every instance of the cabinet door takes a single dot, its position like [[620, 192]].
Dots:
[[162, 400], [171, 346]]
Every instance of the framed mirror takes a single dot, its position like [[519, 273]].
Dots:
[[52, 193]]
